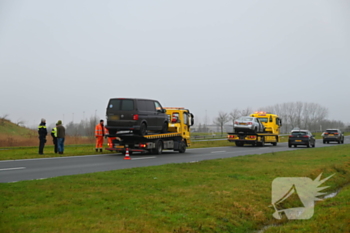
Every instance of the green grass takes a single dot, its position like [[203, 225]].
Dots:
[[76, 150], [223, 195]]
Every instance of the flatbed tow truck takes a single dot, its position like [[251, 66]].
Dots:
[[177, 138], [272, 124]]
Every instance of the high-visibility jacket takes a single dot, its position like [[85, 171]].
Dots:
[[100, 130], [42, 131], [54, 132]]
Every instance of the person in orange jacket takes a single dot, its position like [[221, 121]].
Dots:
[[100, 132]]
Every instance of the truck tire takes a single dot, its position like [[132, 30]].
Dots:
[[274, 143], [262, 143], [182, 147], [159, 147]]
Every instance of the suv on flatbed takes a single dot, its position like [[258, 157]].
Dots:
[[333, 135], [137, 115]]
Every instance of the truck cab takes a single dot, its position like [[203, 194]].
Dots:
[[271, 122]]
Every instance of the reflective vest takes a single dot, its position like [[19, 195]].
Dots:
[[54, 132], [100, 131]]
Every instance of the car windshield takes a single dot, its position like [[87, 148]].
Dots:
[[299, 133], [245, 119], [332, 131]]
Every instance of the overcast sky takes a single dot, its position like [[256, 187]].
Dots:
[[63, 60]]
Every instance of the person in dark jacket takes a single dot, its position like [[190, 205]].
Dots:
[[42, 131], [61, 134], [54, 138]]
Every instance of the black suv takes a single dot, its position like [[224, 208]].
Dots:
[[301, 137], [334, 135], [137, 115]]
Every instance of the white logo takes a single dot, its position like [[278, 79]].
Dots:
[[296, 196]]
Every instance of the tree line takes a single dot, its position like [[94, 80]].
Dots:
[[311, 116]]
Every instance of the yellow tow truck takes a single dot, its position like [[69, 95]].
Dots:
[[177, 138], [272, 124]]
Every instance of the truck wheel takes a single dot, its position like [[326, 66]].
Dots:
[[164, 127], [182, 147], [324, 142], [159, 148], [143, 129], [262, 143], [274, 143]]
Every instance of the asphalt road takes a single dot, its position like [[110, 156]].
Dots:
[[30, 169]]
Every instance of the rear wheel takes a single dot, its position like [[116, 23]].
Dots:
[[324, 142], [159, 148], [289, 145], [143, 129], [274, 143], [308, 144], [313, 145], [262, 143], [339, 141], [182, 147], [164, 127], [295, 145]]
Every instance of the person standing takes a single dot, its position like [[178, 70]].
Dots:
[[61, 134], [42, 131], [54, 138], [100, 132]]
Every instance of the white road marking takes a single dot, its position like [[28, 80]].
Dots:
[[144, 158], [13, 168], [66, 157], [218, 152]]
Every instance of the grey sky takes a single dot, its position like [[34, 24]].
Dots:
[[65, 59]]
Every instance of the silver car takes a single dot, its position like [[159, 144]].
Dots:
[[248, 124]]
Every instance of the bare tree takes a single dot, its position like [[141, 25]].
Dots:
[[221, 120], [246, 112], [3, 119], [234, 115]]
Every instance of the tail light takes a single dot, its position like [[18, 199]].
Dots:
[[231, 136], [325, 133], [249, 123], [290, 136], [336, 133], [143, 145], [236, 122], [252, 137], [305, 136], [135, 117]]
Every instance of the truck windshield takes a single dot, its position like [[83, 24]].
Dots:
[[263, 119]]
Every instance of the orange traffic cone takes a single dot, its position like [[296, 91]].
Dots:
[[127, 154]]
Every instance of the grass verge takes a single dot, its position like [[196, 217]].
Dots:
[[224, 195]]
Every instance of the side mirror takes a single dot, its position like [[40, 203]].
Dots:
[[163, 110]]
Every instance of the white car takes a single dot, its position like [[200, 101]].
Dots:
[[248, 124]]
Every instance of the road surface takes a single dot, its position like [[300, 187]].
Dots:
[[30, 169]]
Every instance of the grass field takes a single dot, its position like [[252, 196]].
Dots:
[[224, 195]]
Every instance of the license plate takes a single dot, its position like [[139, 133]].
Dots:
[[119, 147], [115, 118], [242, 123], [298, 140], [331, 135]]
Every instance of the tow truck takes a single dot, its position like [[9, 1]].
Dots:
[[272, 124], [177, 138]]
